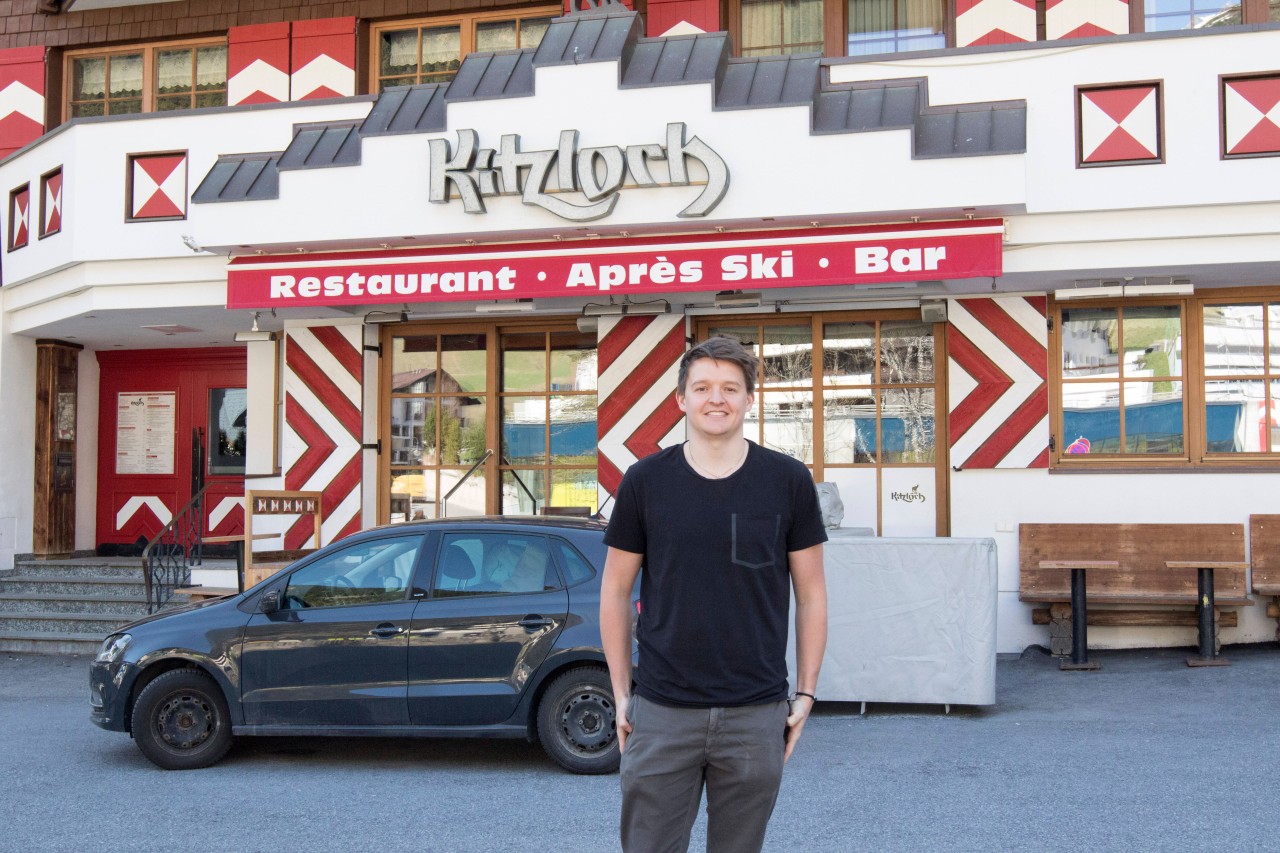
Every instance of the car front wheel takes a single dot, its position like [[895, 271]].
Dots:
[[577, 722], [181, 722]]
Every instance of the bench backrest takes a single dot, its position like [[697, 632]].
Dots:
[[1264, 553], [1140, 549]]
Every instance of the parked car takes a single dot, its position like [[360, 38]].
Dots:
[[484, 627]]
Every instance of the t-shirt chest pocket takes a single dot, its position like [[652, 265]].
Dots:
[[754, 540]]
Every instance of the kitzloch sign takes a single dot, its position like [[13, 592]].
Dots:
[[800, 258]]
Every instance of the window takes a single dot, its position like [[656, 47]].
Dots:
[[409, 52], [771, 27], [1182, 382], [228, 409], [368, 573], [494, 564], [855, 398], [576, 568], [1166, 15], [146, 79], [896, 26]]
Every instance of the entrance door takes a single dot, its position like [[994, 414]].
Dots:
[[856, 397], [487, 419]]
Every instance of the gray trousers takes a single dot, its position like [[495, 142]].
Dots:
[[673, 752]]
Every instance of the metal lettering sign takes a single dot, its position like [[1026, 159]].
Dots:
[[847, 256], [598, 174]]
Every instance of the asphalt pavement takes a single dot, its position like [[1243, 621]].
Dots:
[[1144, 754]]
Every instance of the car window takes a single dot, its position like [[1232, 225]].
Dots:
[[576, 568], [494, 564], [366, 573]]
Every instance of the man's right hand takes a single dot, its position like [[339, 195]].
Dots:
[[622, 705]]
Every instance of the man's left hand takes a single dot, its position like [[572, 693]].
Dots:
[[800, 708]]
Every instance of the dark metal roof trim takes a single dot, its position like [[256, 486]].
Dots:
[[321, 145], [604, 34], [240, 177]]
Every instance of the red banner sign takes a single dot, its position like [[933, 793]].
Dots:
[[741, 261]]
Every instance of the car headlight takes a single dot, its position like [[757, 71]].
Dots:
[[113, 648]]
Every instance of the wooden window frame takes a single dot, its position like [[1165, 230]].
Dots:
[[148, 51], [1194, 412], [466, 23], [1251, 12]]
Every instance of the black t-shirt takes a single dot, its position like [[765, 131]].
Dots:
[[715, 584]]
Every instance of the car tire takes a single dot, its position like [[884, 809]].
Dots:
[[577, 722], [180, 720]]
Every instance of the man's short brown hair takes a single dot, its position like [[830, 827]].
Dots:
[[720, 348]]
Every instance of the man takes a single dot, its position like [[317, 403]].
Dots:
[[724, 528]]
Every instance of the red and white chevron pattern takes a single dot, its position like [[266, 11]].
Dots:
[[323, 59], [981, 22], [159, 186], [998, 358], [1120, 124], [21, 97], [639, 358], [143, 515], [1068, 19], [258, 64], [226, 515], [323, 387], [51, 203], [1251, 115], [19, 217]]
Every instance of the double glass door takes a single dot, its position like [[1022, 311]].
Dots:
[[487, 419]]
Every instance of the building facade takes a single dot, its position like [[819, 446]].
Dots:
[[1003, 262]]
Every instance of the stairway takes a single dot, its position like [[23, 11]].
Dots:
[[68, 606]]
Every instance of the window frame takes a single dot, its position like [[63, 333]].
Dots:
[[149, 50], [1195, 455], [466, 22]]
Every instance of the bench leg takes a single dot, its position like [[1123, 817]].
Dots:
[[1207, 612], [1079, 626], [1060, 629]]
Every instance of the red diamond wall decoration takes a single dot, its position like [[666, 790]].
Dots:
[[51, 203], [1120, 124], [1251, 115], [19, 217], [159, 184]]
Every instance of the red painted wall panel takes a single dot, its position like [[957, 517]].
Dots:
[[665, 14], [22, 91], [258, 64], [323, 59]]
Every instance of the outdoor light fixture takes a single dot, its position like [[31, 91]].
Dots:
[[505, 307], [617, 309], [588, 324], [1161, 287], [1091, 289], [254, 333], [933, 311], [737, 299], [377, 318]]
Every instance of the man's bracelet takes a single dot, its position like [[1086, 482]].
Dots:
[[810, 695]]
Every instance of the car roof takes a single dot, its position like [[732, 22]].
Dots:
[[540, 521]]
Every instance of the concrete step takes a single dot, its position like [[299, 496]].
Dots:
[[31, 602], [47, 643], [54, 622], [95, 586], [80, 567]]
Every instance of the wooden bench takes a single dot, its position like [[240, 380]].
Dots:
[[1138, 572], [1264, 560], [258, 503]]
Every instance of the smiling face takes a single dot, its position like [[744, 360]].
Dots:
[[715, 398]]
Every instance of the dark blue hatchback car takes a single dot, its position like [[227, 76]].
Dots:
[[484, 627]]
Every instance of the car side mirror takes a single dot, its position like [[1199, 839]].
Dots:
[[270, 601]]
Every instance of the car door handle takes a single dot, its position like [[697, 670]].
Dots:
[[386, 629], [533, 621]]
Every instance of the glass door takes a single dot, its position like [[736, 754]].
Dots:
[[493, 418]]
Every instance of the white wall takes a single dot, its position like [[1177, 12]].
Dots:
[[18, 437], [993, 502]]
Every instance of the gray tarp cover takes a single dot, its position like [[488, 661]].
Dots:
[[910, 620]]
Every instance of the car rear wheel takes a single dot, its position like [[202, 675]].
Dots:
[[181, 722], [577, 722]]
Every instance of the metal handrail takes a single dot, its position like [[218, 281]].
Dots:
[[444, 502], [166, 568], [532, 497]]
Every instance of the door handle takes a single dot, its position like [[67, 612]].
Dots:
[[386, 629], [533, 621]]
